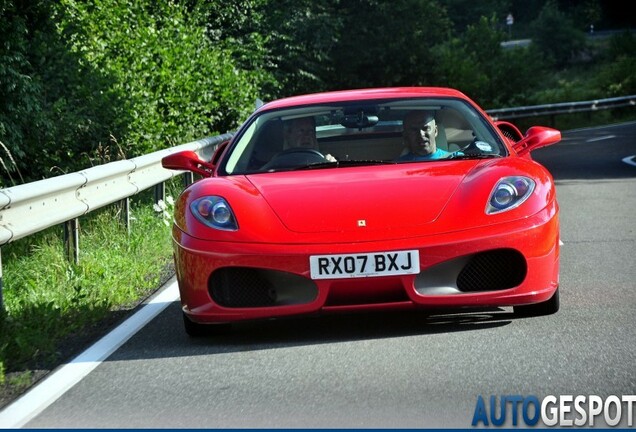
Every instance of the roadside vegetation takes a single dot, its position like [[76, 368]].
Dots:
[[55, 307], [83, 83]]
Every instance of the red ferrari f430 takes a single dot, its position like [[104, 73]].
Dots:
[[376, 199]]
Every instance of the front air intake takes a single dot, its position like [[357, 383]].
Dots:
[[241, 287], [244, 287], [493, 270]]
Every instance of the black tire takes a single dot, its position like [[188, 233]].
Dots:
[[194, 329], [547, 307]]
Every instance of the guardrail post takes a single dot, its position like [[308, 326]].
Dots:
[[188, 178], [1, 286], [160, 192], [125, 207], [71, 240]]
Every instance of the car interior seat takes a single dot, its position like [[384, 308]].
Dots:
[[457, 131]]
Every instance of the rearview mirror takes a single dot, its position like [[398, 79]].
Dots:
[[537, 137], [189, 161], [359, 119]]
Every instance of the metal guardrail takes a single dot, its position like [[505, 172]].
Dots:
[[562, 108], [33, 207]]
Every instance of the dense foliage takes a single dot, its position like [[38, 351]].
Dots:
[[85, 82]]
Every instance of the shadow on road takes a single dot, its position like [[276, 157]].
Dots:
[[167, 338]]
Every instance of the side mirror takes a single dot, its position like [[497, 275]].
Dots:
[[189, 161], [537, 137]]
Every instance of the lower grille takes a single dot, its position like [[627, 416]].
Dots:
[[493, 270], [242, 287]]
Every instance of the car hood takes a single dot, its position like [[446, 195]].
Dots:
[[349, 199]]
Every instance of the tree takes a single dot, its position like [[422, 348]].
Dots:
[[464, 13], [84, 82], [17, 91], [556, 36], [476, 63], [618, 77], [301, 37], [388, 43], [51, 110], [240, 27], [177, 85]]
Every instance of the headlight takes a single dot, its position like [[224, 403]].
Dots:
[[214, 212], [509, 193]]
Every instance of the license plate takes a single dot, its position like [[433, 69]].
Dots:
[[364, 264]]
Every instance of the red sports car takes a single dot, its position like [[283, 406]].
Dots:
[[376, 199]]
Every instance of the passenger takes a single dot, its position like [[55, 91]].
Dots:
[[419, 134]]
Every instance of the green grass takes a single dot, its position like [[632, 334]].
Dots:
[[49, 299]]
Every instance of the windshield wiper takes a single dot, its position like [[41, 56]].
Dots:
[[472, 156]]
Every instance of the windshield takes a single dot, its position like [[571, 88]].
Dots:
[[362, 133]]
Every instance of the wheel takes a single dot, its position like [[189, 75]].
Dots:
[[295, 157], [547, 307], [194, 329]]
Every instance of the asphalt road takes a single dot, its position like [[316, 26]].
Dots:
[[400, 370]]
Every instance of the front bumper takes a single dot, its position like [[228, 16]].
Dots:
[[509, 264]]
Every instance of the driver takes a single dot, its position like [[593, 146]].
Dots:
[[301, 133]]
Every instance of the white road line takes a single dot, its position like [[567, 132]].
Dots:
[[630, 160], [38, 398], [603, 138]]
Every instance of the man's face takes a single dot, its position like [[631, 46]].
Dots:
[[420, 131], [300, 133]]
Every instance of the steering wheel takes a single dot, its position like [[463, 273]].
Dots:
[[296, 156], [300, 150]]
